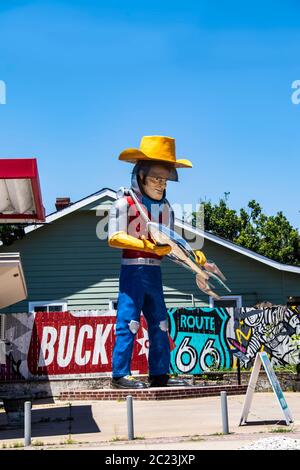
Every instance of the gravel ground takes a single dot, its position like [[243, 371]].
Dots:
[[274, 443]]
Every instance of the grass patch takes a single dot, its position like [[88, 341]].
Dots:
[[196, 438], [16, 445], [37, 443], [117, 439], [281, 430], [70, 441]]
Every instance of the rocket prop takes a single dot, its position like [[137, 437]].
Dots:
[[183, 254]]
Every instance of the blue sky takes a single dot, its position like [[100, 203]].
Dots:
[[86, 79]]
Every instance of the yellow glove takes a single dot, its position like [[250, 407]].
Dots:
[[200, 257], [125, 241], [159, 250]]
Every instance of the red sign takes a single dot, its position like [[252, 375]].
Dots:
[[63, 343]]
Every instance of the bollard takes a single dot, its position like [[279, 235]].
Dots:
[[130, 417], [224, 413], [27, 423]]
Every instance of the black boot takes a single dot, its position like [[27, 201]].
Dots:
[[127, 382], [166, 381], [177, 382], [158, 380]]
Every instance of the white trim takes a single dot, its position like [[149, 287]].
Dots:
[[238, 298], [73, 207], [47, 303], [110, 312], [201, 233]]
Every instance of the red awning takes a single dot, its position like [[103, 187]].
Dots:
[[20, 192]]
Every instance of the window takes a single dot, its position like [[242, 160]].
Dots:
[[113, 305], [227, 301], [293, 301], [48, 306]]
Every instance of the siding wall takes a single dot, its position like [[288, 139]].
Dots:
[[66, 260]]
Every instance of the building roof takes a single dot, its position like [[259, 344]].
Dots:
[[111, 194]]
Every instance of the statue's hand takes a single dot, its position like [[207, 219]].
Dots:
[[162, 250], [213, 268], [159, 250], [200, 257]]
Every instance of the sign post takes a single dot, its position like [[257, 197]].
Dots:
[[262, 359]]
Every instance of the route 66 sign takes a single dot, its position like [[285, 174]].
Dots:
[[199, 335]]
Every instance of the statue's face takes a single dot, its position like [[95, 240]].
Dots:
[[155, 182]]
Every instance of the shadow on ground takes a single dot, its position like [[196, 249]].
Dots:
[[266, 422], [63, 421]]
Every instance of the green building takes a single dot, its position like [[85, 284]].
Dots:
[[68, 265]]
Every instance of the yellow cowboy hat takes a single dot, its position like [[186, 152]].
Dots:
[[155, 148]]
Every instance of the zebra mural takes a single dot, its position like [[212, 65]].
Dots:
[[275, 330]]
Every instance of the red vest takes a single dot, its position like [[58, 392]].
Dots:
[[138, 227]]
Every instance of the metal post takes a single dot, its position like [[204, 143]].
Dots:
[[130, 417], [27, 423], [224, 413], [239, 371]]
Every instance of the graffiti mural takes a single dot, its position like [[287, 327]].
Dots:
[[199, 336], [273, 330], [80, 344], [60, 344]]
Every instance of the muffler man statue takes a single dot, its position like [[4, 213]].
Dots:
[[140, 286]]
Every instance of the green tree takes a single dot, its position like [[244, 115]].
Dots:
[[10, 233], [271, 236]]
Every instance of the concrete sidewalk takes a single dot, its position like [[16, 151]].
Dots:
[[175, 424]]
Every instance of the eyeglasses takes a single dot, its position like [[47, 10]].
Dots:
[[158, 180]]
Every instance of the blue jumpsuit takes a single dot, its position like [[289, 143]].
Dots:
[[140, 289]]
